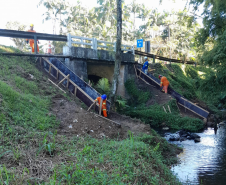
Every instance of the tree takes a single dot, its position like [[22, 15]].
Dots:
[[20, 43], [118, 54], [211, 38]]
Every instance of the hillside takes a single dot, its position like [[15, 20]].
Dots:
[[48, 137]]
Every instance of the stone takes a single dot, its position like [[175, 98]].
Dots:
[[182, 132], [195, 135], [183, 139], [102, 135], [172, 138], [197, 140], [222, 123], [189, 137], [75, 121], [184, 135]]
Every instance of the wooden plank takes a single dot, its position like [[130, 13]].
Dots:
[[118, 124], [63, 79], [81, 90], [194, 104], [100, 106], [94, 103], [56, 85], [164, 109], [191, 110], [148, 76], [145, 81], [40, 60]]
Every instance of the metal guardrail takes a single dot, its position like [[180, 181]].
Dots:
[[32, 35], [162, 58]]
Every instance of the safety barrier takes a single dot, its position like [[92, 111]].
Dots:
[[95, 44], [71, 81], [150, 79]]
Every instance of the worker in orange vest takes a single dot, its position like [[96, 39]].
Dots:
[[104, 104], [32, 40], [164, 83]]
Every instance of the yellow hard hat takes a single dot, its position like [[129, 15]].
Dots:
[[32, 25]]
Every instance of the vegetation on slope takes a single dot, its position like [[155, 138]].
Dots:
[[154, 114], [31, 151], [199, 82]]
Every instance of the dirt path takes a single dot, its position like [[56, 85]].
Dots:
[[75, 120]]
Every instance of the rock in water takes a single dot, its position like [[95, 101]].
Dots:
[[195, 135], [197, 140]]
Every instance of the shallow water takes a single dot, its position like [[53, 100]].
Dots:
[[204, 162]]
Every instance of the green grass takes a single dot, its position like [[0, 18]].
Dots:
[[32, 152]]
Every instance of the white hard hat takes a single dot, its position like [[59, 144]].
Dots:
[[145, 57]]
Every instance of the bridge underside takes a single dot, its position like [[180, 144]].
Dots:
[[100, 64]]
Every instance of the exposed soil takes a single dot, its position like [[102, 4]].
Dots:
[[75, 120]]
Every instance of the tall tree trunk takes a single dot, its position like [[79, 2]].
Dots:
[[118, 56]]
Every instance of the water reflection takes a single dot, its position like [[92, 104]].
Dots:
[[204, 162]]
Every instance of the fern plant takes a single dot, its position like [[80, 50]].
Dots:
[[103, 86]]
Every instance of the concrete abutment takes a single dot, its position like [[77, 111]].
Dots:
[[100, 63]]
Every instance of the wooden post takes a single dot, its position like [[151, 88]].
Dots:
[[164, 109], [68, 81], [40, 61], [57, 74], [177, 106], [75, 90], [184, 106], [100, 106], [169, 109], [50, 68]]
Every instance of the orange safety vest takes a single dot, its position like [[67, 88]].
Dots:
[[104, 104], [31, 40], [164, 81]]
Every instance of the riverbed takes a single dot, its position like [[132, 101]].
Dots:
[[205, 162]]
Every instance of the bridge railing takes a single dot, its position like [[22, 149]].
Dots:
[[95, 44]]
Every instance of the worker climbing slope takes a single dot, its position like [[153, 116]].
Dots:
[[104, 103], [145, 66], [31, 41], [164, 83]]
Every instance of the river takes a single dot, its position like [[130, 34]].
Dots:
[[205, 162]]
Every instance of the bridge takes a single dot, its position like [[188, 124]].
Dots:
[[94, 59]]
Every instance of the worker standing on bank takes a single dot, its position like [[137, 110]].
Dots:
[[32, 40], [145, 66], [164, 83], [104, 103]]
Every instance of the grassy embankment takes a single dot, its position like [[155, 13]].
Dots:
[[31, 151], [193, 83]]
